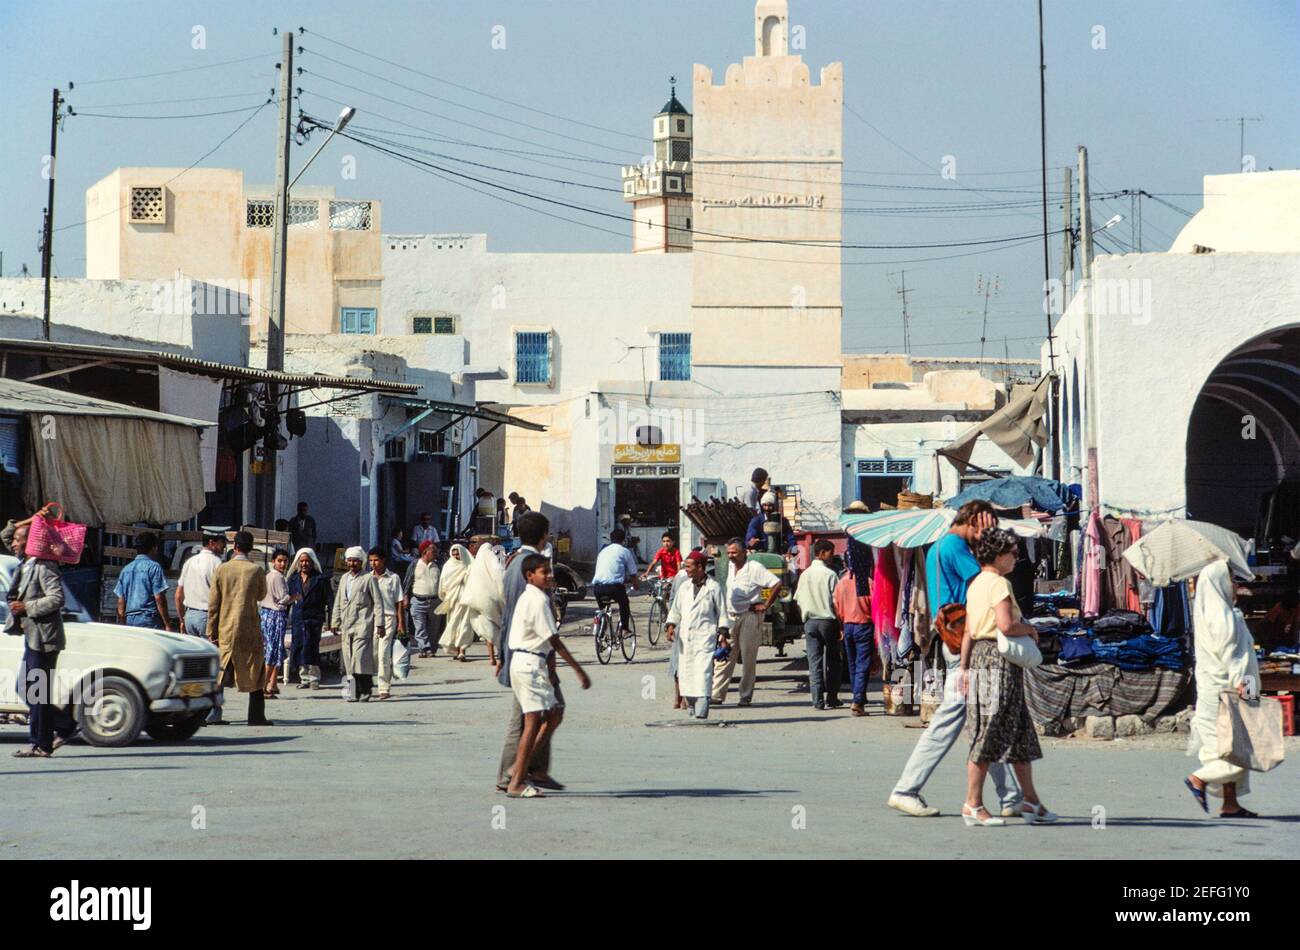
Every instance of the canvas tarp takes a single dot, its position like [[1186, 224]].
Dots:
[[105, 462], [1015, 428]]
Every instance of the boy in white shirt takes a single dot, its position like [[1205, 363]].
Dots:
[[534, 641]]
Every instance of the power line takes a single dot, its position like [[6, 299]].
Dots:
[[696, 232], [235, 131], [172, 72], [192, 115]]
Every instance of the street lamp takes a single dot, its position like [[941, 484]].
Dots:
[[344, 118]]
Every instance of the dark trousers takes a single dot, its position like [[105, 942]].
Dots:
[[256, 707], [365, 683], [822, 642], [618, 594], [860, 647], [304, 648], [38, 692]]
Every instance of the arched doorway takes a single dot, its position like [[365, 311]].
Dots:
[[1243, 440]]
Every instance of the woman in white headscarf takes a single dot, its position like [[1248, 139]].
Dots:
[[456, 633], [485, 596], [1225, 660]]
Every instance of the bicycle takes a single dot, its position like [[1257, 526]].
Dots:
[[604, 629], [658, 608]]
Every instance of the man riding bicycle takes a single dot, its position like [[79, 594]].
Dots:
[[615, 565]]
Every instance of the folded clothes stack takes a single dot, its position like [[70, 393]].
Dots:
[[1118, 625], [1143, 652]]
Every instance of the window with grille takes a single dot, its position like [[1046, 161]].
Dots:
[[681, 125], [675, 356], [358, 320], [886, 466], [303, 213], [349, 215], [148, 206], [395, 450], [533, 357], [430, 442], [681, 151], [445, 326], [259, 213], [422, 324]]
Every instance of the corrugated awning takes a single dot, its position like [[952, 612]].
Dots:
[[463, 409], [1015, 428], [20, 398], [96, 354]]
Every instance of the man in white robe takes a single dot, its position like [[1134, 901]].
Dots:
[[698, 617], [1225, 660]]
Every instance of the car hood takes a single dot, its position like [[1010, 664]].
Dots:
[[171, 642]]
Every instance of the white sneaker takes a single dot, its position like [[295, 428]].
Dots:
[[913, 805]]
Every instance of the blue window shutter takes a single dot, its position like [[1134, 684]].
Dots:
[[675, 356], [533, 357], [358, 320]]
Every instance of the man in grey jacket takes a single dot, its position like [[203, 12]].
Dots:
[[36, 614]]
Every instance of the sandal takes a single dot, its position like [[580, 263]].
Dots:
[[384, 695], [1239, 813], [32, 753], [1198, 794], [529, 791]]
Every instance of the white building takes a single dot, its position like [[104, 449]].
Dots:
[[1195, 363], [662, 374]]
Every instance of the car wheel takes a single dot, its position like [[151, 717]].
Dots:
[[177, 730], [116, 715]]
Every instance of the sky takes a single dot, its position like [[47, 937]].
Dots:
[[565, 89]]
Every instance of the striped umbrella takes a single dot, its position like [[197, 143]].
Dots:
[[906, 527]]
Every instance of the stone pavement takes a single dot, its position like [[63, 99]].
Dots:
[[413, 777]]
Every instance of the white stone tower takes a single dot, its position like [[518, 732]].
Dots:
[[660, 189]]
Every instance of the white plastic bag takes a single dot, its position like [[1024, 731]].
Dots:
[[401, 660], [349, 687]]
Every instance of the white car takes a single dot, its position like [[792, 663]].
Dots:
[[118, 681]]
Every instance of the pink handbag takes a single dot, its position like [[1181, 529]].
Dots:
[[55, 539]]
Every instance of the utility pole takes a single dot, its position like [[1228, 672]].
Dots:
[[1093, 485], [266, 493], [988, 290], [1085, 218], [907, 332], [1067, 250], [47, 242]]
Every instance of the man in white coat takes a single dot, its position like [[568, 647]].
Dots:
[[698, 616]]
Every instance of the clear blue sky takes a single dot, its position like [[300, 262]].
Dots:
[[928, 79]]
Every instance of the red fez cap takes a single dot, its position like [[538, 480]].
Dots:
[[425, 544]]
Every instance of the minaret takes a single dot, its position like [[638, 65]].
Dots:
[[660, 189]]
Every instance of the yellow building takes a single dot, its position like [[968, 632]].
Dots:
[[150, 223]]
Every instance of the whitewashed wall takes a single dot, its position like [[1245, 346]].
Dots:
[[1185, 313]]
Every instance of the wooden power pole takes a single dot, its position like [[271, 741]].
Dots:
[[47, 241]]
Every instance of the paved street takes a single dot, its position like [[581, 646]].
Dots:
[[413, 777]]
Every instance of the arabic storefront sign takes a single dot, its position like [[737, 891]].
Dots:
[[642, 454]]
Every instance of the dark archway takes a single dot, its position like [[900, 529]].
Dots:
[[1243, 440]]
